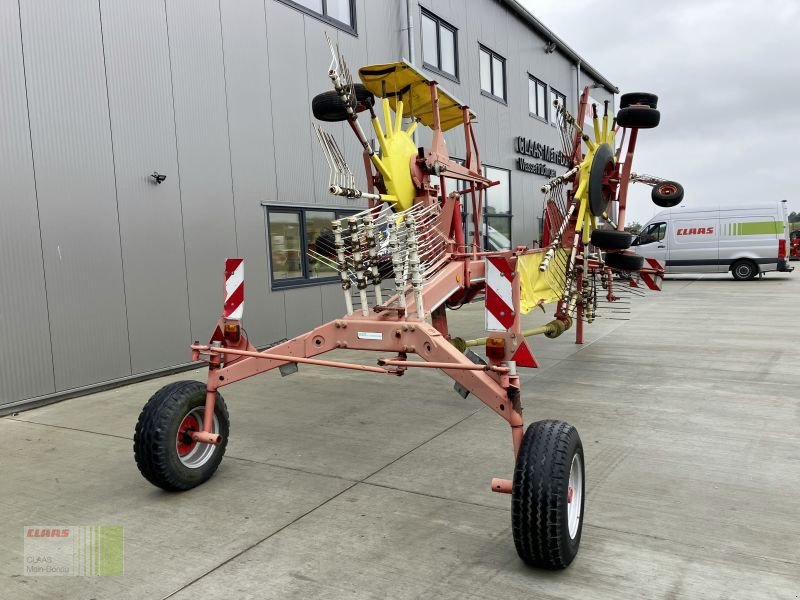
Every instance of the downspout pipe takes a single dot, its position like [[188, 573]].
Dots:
[[411, 45], [410, 32]]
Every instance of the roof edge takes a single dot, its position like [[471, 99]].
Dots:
[[561, 45]]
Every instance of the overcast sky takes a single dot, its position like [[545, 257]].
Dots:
[[727, 74]]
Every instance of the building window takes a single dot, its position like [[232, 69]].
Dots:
[[301, 247], [496, 219], [497, 210], [340, 13], [493, 74], [556, 96], [439, 45], [537, 98]]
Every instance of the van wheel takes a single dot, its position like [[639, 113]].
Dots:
[[744, 269]]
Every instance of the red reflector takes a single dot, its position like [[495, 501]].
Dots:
[[781, 248]]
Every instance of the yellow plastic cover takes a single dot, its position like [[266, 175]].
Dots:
[[540, 288], [403, 82]]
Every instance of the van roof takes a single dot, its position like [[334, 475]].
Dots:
[[771, 206]]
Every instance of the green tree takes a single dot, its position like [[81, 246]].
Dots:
[[634, 227]]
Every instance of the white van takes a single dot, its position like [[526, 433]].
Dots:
[[745, 240]]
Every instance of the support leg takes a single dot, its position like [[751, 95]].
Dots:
[[439, 320]]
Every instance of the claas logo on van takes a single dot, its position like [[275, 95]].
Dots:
[[696, 231]]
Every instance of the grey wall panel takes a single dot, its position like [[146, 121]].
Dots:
[[27, 369], [75, 182], [143, 127], [201, 125], [317, 61], [333, 303], [247, 77], [355, 52], [380, 25], [290, 104], [303, 310]]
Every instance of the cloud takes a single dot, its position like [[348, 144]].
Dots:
[[726, 75]]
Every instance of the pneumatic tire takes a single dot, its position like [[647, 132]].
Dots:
[[638, 117], [744, 270], [624, 262], [667, 194], [328, 106], [548, 495], [633, 98], [610, 239], [162, 445]]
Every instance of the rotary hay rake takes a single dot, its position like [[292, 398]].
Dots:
[[411, 240]]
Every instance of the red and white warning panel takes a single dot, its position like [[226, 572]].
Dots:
[[234, 289], [653, 274], [499, 294]]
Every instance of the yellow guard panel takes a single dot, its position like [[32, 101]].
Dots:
[[403, 82], [540, 288]]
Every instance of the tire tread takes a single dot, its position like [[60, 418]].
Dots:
[[151, 443], [539, 513]]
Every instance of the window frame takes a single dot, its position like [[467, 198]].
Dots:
[[536, 80], [638, 242], [506, 215], [323, 16], [439, 22], [305, 280], [492, 55], [466, 221]]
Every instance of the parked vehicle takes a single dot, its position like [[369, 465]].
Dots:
[[747, 240], [794, 245]]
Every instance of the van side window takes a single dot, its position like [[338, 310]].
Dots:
[[654, 232]]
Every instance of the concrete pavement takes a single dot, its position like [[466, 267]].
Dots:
[[347, 485]]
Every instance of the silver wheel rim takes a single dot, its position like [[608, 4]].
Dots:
[[201, 453], [743, 270], [575, 496]]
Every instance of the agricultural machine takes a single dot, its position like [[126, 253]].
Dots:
[[404, 261]]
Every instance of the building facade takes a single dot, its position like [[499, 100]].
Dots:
[[107, 275]]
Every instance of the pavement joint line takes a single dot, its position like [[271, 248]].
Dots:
[[421, 444], [244, 550], [687, 545], [113, 435], [364, 482], [434, 496], [267, 463]]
